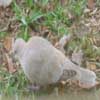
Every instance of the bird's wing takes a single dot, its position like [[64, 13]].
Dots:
[[68, 74]]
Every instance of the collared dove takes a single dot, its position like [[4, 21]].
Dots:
[[5, 3], [43, 64]]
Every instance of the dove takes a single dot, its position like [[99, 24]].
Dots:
[[43, 64], [5, 3]]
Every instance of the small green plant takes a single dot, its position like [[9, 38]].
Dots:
[[3, 34], [26, 18], [77, 6], [11, 83]]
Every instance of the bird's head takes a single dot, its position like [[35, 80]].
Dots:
[[17, 47]]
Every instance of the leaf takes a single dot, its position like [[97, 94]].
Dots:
[[7, 43], [98, 64], [10, 66], [91, 4], [62, 42], [17, 10], [2, 34], [30, 3], [36, 15], [45, 2], [77, 57], [63, 2], [24, 21], [26, 34], [91, 65]]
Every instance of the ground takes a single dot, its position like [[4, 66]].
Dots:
[[51, 20]]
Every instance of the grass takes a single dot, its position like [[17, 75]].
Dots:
[[12, 83], [56, 19], [31, 15], [3, 34]]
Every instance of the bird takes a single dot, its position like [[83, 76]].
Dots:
[[5, 3], [43, 64]]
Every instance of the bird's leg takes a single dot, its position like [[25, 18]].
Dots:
[[57, 88], [37, 88]]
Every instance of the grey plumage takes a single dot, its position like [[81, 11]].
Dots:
[[68, 74], [5, 3], [43, 64]]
